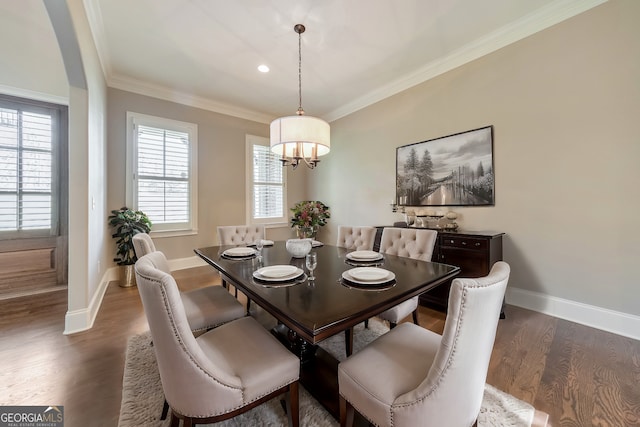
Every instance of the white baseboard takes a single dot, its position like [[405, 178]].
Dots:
[[81, 320], [616, 322]]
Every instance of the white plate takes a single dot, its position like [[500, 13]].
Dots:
[[239, 252], [368, 275], [297, 273], [277, 271], [364, 255]]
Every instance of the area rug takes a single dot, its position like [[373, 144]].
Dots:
[[142, 396]]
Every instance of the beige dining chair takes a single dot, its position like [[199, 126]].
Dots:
[[411, 243], [420, 375], [360, 239], [356, 238], [205, 307], [239, 235], [406, 242], [221, 373]]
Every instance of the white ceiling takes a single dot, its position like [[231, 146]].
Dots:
[[354, 52]]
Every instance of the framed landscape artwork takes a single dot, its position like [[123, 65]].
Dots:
[[454, 170]]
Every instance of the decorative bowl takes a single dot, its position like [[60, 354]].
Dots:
[[298, 248]]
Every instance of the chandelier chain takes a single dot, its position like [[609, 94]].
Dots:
[[300, 110]]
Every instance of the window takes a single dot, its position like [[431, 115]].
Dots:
[[161, 165], [31, 136], [266, 183]]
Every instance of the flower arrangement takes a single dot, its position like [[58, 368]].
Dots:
[[310, 213], [127, 223]]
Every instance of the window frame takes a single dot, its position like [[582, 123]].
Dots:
[[131, 196], [59, 117], [250, 141]]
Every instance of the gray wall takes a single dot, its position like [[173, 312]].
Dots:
[[565, 105], [221, 167]]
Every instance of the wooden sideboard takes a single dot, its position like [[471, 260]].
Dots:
[[474, 252]]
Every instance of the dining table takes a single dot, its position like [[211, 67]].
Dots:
[[310, 311]]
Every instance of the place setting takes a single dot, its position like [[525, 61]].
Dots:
[[364, 258], [239, 253], [368, 278], [279, 275]]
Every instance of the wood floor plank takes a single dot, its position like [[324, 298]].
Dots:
[[519, 357], [616, 381], [554, 380]]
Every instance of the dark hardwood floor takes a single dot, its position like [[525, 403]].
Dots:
[[580, 376]]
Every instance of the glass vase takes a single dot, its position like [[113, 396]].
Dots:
[[306, 232]]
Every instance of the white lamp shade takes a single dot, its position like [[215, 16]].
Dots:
[[311, 132]]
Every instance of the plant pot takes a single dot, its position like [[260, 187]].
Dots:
[[127, 276], [306, 232]]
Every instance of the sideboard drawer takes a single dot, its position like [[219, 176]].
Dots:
[[464, 243]]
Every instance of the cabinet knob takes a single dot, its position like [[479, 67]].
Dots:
[[450, 241], [464, 243], [477, 244]]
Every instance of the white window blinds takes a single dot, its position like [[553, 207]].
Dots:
[[268, 185], [164, 173], [27, 181], [265, 183]]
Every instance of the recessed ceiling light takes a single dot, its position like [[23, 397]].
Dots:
[[263, 68]]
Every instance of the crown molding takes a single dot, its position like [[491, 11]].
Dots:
[[161, 92], [156, 91], [530, 24]]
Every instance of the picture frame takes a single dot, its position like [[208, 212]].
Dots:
[[453, 170]]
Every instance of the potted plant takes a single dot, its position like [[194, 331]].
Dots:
[[308, 216], [126, 224]]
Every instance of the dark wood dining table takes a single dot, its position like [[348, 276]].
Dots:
[[311, 311]]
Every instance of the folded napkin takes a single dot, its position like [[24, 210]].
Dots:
[[315, 244]]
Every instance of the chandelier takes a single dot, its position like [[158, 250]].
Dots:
[[300, 139]]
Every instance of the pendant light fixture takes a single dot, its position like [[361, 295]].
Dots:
[[300, 138]]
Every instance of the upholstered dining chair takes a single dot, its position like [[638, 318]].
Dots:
[[142, 244], [240, 234], [411, 243], [422, 378], [357, 238], [406, 242], [221, 373], [205, 307]]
